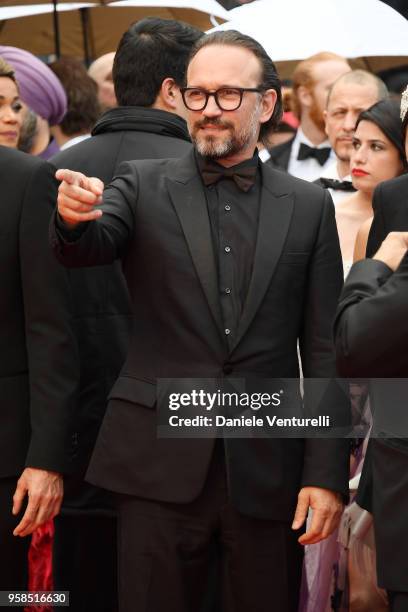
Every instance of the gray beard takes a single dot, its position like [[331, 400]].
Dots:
[[217, 150], [210, 147]]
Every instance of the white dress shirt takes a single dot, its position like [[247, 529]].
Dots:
[[264, 155], [308, 169]]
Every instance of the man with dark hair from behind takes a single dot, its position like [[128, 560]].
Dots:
[[83, 105], [149, 70]]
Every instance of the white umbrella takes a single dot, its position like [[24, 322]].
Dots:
[[96, 27], [296, 29], [13, 12], [211, 7]]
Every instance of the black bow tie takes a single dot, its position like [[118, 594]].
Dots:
[[320, 155], [243, 177], [337, 185]]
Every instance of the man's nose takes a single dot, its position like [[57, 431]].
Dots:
[[349, 123], [212, 109]]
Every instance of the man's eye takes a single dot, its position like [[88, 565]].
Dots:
[[195, 93], [228, 93]]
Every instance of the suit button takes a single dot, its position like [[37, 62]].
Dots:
[[227, 369]]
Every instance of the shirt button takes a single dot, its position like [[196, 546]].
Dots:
[[227, 249], [227, 207], [227, 331], [227, 290]]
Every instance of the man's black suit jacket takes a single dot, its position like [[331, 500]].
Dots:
[[280, 155], [38, 358], [372, 341], [155, 219], [102, 308]]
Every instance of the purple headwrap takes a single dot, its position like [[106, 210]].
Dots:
[[39, 87]]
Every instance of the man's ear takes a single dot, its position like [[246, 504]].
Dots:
[[169, 93], [269, 98], [325, 121], [304, 96]]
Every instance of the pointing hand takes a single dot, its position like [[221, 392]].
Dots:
[[77, 197]]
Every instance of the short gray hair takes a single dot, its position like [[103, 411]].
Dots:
[[363, 78]]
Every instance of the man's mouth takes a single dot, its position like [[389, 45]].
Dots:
[[212, 126]]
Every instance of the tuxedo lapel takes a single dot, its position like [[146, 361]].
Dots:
[[188, 198], [275, 213]]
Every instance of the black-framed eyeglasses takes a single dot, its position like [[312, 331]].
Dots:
[[226, 98]]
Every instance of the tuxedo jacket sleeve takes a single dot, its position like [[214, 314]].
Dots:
[[371, 325], [102, 241], [373, 297], [52, 360]]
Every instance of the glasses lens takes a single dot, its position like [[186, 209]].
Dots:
[[195, 99], [229, 99]]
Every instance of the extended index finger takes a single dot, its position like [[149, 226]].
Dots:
[[73, 196], [71, 177]]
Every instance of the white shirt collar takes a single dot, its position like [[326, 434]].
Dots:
[[308, 169], [74, 141], [301, 137]]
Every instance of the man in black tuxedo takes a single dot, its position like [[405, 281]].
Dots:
[[228, 263], [38, 362], [371, 337], [374, 300], [147, 124]]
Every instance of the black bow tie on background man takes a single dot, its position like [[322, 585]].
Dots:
[[320, 155], [337, 185], [244, 177]]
